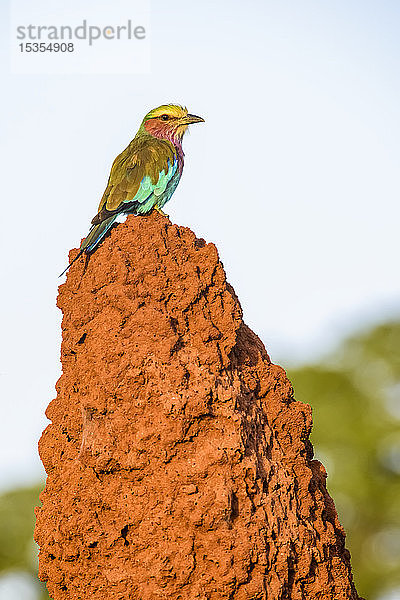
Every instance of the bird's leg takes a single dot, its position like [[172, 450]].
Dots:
[[161, 212]]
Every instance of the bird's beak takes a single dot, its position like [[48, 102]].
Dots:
[[189, 119]]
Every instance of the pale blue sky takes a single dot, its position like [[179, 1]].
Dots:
[[294, 176]]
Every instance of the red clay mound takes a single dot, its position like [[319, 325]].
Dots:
[[178, 461]]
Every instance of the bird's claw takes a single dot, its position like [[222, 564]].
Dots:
[[161, 212]]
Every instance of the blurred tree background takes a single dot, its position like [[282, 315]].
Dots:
[[355, 395], [18, 551]]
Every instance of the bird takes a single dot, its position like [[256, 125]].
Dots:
[[145, 175]]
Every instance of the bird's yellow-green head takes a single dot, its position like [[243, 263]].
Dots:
[[168, 122]]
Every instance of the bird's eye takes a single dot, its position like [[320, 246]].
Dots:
[[165, 117]]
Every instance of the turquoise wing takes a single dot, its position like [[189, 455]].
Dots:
[[146, 197], [148, 193]]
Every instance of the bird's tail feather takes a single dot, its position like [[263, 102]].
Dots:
[[96, 234], [71, 263], [93, 238]]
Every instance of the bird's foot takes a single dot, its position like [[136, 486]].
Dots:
[[161, 212]]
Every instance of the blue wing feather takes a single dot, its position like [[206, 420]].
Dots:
[[149, 193]]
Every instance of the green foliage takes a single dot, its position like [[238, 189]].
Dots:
[[18, 552], [355, 396]]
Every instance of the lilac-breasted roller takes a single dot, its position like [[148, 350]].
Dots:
[[146, 174]]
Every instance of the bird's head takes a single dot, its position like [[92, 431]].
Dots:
[[169, 122]]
